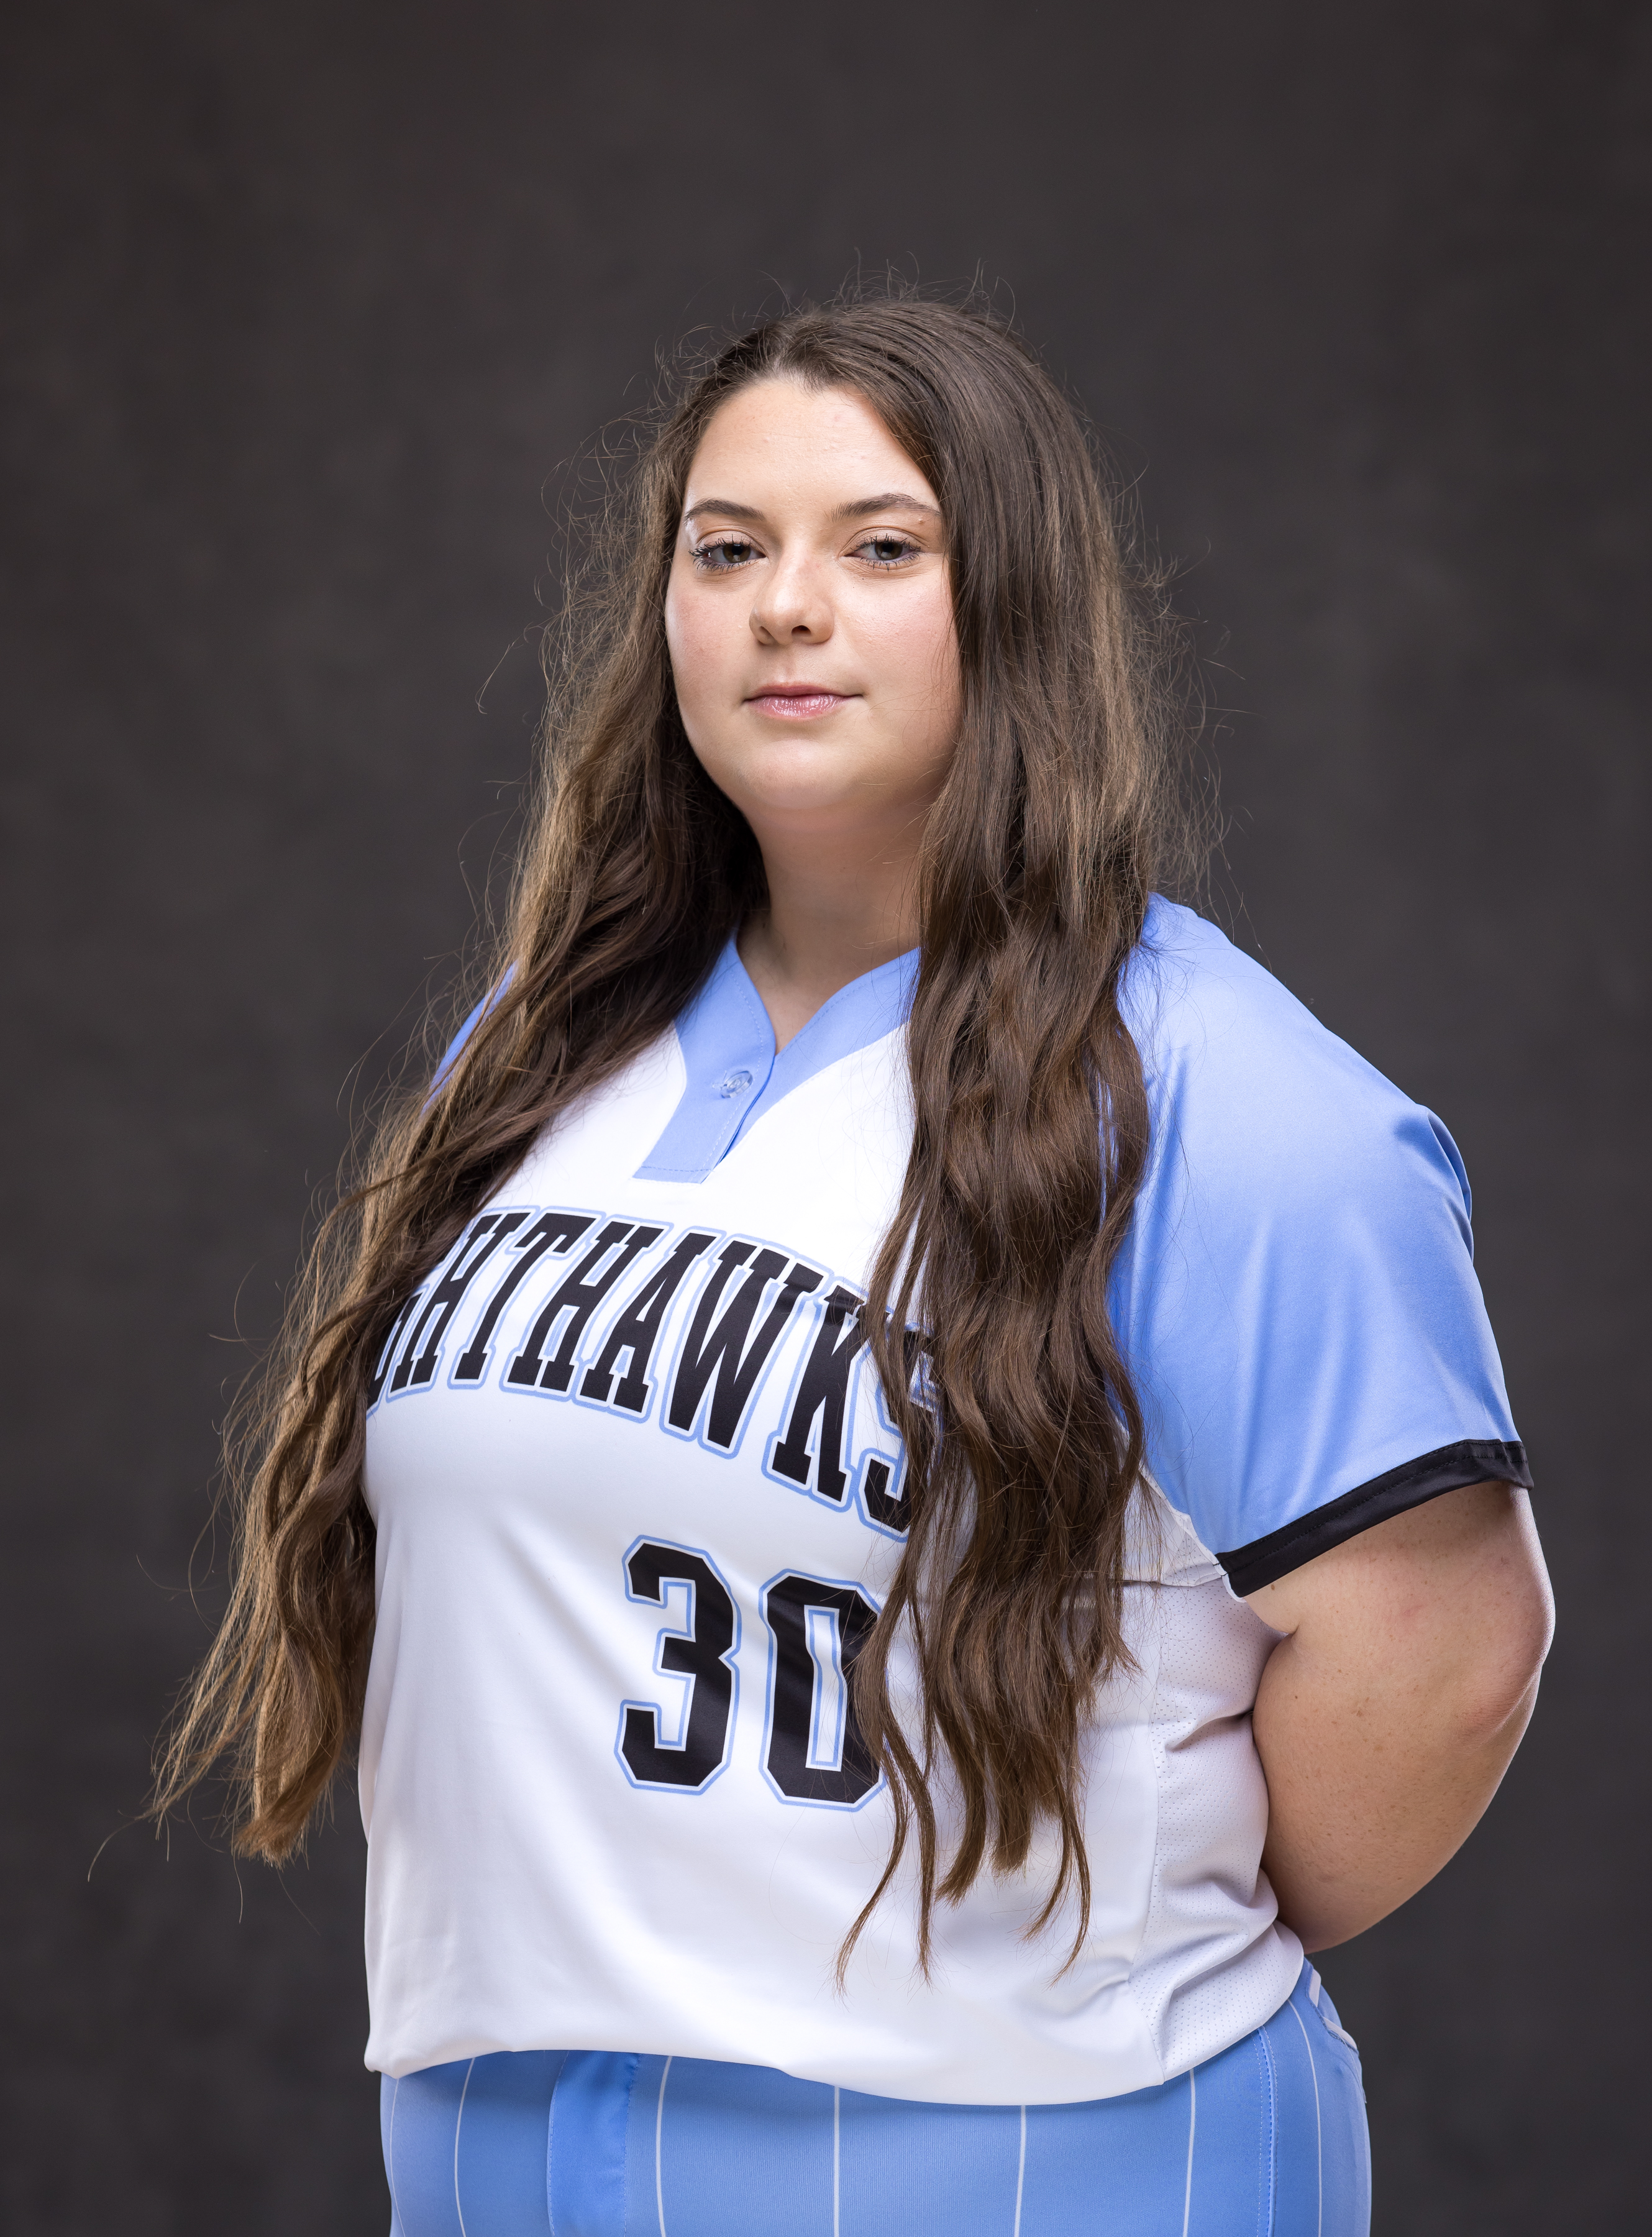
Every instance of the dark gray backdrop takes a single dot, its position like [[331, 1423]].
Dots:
[[304, 301]]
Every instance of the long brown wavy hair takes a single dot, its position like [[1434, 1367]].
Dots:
[[1057, 817]]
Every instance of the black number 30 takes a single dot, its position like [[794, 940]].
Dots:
[[703, 1653], [813, 1750]]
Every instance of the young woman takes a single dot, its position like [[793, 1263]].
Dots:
[[902, 1467]]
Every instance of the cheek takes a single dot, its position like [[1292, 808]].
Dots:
[[921, 649], [697, 638]]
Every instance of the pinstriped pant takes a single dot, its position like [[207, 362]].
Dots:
[[1269, 2139]]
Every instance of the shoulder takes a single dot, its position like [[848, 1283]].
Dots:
[[1194, 1003], [1295, 1295], [1244, 1078]]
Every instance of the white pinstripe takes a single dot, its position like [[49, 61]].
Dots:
[[459, 2204], [1318, 2137], [837, 2100], [1341, 2033], [658, 2130], [390, 2153], [1192, 2123]]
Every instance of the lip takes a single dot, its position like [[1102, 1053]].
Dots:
[[798, 703]]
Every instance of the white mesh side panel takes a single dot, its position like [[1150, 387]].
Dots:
[[1212, 1965]]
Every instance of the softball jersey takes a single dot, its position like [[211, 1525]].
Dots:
[[639, 1502]]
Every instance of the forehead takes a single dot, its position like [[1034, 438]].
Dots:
[[781, 438]]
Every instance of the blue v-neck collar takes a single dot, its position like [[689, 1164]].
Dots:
[[735, 1073]]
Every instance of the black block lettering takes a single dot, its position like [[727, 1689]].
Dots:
[[554, 1231], [376, 1380], [705, 1655], [479, 1245], [638, 1331], [727, 1350], [874, 1490], [822, 1392], [578, 1295], [885, 1506], [798, 1680]]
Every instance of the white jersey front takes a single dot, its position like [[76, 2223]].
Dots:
[[638, 1502]]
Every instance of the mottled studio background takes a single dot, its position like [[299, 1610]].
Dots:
[[302, 305]]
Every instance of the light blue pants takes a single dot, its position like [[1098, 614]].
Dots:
[[1268, 2140]]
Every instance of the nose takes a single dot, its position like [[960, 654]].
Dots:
[[792, 605]]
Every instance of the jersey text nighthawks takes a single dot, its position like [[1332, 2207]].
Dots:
[[830, 1438]]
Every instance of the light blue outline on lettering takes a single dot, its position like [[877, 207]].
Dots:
[[696, 1434], [397, 1329], [670, 1332], [536, 1389], [895, 1462], [818, 1300], [668, 1630], [809, 1801], [498, 1343]]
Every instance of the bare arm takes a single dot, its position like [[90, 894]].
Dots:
[[1389, 1711]]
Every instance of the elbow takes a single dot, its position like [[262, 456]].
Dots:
[[1497, 1681]]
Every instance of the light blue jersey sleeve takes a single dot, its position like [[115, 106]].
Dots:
[[456, 1048], [1296, 1298]]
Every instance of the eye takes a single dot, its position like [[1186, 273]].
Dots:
[[721, 555], [888, 550]]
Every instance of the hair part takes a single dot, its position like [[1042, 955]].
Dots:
[[1059, 815]]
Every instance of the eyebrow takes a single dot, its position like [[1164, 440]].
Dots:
[[856, 509], [885, 501], [722, 505]]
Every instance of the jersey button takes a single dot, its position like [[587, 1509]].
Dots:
[[736, 1083]]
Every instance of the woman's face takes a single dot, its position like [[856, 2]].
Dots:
[[809, 617]]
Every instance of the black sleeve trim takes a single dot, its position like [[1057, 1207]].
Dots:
[[1266, 1560]]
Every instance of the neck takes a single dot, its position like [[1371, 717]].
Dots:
[[839, 906]]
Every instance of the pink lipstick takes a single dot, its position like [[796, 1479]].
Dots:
[[796, 702]]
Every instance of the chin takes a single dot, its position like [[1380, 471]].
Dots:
[[829, 809], [795, 777]]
